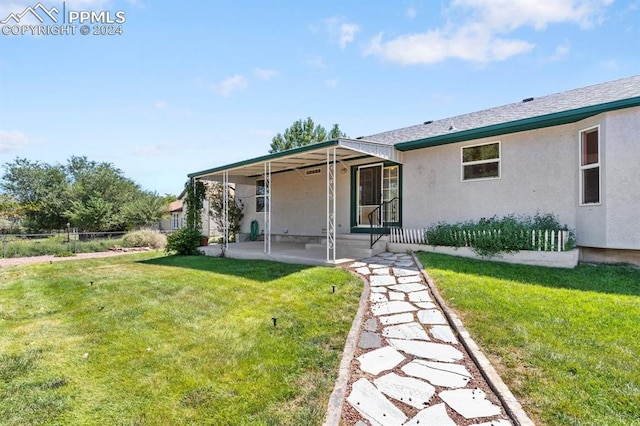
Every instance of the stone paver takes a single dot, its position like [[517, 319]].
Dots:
[[408, 334], [383, 359], [431, 316], [373, 405], [439, 373], [411, 391], [470, 403]]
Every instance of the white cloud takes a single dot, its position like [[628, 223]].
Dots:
[[265, 74], [341, 31], [11, 141], [411, 12], [230, 85], [160, 104], [561, 51], [479, 30]]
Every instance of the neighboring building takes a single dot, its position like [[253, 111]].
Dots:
[[177, 218], [574, 154], [177, 213]]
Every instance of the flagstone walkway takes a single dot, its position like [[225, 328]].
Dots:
[[409, 367]]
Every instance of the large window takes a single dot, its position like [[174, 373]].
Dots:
[[261, 195], [175, 221], [481, 161], [590, 166]]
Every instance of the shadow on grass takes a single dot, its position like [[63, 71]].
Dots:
[[258, 270], [610, 279]]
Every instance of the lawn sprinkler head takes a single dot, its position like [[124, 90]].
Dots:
[[275, 319]]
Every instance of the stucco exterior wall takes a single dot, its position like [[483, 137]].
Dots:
[[622, 183], [299, 203], [536, 176]]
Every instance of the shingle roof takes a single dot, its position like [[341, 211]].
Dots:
[[598, 94]]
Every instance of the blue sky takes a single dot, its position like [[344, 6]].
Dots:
[[194, 85]]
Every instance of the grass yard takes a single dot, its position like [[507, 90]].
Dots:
[[566, 342], [171, 340]]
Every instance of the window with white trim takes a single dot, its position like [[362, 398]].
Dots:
[[175, 220], [590, 166], [481, 161]]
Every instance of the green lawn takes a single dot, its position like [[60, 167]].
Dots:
[[171, 340], [566, 342]]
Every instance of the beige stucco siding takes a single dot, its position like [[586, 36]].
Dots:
[[299, 203], [621, 180], [534, 177]]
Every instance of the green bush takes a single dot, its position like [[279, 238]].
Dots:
[[22, 247], [184, 242], [153, 239], [488, 237]]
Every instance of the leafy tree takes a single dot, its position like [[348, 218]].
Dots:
[[40, 189], [91, 195], [195, 193], [235, 208], [146, 209], [302, 133]]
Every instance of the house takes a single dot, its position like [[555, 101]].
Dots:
[[575, 154], [177, 218]]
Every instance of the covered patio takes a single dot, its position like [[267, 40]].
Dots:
[[324, 157]]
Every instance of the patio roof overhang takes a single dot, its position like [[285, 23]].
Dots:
[[301, 158]]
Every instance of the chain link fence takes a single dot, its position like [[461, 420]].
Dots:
[[63, 242]]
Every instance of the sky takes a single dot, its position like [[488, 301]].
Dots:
[[191, 85]]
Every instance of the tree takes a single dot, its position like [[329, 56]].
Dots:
[[41, 190], [302, 133], [92, 196], [195, 193], [147, 209]]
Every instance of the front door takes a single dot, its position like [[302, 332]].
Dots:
[[378, 185]]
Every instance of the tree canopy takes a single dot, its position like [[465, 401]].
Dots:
[[93, 196], [302, 133]]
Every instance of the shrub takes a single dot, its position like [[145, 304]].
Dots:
[[488, 237], [153, 239], [184, 242]]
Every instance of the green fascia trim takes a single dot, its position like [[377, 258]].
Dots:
[[548, 120], [268, 157]]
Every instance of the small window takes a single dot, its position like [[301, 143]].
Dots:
[[261, 195], [481, 161], [590, 166], [175, 221]]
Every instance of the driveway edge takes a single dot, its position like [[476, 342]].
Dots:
[[511, 405], [336, 400]]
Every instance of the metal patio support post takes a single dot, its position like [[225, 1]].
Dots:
[[331, 204], [225, 209], [267, 207]]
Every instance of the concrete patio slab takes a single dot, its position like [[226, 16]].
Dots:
[[427, 350], [409, 390], [381, 271], [379, 360], [439, 373], [373, 405], [378, 298], [371, 324], [378, 289], [394, 307], [470, 403], [436, 415], [395, 295], [363, 270]]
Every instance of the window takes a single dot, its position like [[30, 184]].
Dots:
[[175, 220], [590, 166], [481, 161], [261, 195]]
